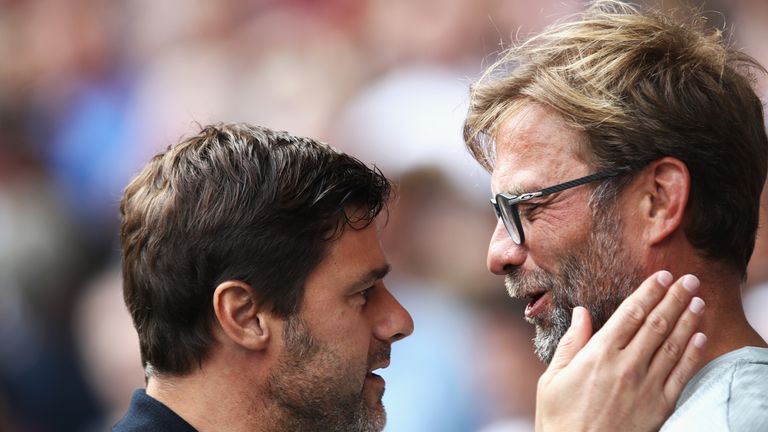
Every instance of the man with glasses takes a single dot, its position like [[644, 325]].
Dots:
[[655, 143]]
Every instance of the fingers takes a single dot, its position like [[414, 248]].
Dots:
[[674, 347], [574, 339], [686, 368], [654, 334], [630, 316]]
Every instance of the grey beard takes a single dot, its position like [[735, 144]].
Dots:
[[547, 338], [598, 276], [549, 329]]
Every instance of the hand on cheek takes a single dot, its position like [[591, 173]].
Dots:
[[629, 375]]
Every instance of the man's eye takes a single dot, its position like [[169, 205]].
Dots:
[[360, 298], [529, 211], [366, 292]]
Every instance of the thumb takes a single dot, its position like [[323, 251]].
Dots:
[[573, 341]]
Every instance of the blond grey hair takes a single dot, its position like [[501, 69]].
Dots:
[[642, 85]]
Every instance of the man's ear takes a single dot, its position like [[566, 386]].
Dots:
[[665, 185], [243, 319]]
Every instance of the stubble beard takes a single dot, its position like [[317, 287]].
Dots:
[[598, 276], [315, 390]]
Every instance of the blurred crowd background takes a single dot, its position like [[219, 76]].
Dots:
[[90, 89]]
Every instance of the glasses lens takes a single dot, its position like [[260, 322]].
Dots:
[[510, 218], [496, 208]]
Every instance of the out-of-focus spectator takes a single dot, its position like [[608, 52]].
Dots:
[[288, 67], [108, 345], [38, 269], [521, 18], [412, 117], [447, 32], [437, 233]]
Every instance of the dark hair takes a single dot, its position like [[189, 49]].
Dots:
[[642, 86], [235, 202]]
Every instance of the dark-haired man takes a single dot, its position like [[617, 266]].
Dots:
[[622, 143], [253, 273]]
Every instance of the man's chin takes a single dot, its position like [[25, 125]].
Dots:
[[374, 418], [378, 419], [374, 414], [545, 344], [549, 331]]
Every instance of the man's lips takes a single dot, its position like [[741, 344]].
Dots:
[[379, 365], [537, 304], [376, 377]]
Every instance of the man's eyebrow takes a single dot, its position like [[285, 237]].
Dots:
[[372, 276], [513, 190]]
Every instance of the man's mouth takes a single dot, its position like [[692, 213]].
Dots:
[[537, 303], [376, 377]]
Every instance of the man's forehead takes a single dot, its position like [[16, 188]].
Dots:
[[519, 121], [535, 147], [533, 129]]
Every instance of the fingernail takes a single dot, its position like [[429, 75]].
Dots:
[[699, 340], [664, 278], [697, 305], [691, 283], [575, 317]]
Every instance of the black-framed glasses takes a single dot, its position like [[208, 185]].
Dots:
[[506, 205]]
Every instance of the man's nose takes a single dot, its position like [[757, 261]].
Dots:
[[503, 253], [394, 322]]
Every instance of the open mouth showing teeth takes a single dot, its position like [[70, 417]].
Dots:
[[537, 304], [533, 298]]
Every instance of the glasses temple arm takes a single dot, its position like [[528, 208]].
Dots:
[[578, 182]]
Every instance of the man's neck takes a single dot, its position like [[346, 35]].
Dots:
[[724, 322], [213, 402]]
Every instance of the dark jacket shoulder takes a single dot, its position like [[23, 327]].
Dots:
[[148, 414]]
